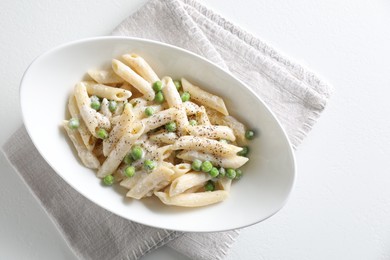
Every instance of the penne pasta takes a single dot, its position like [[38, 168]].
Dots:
[[238, 128], [86, 156], [164, 137], [170, 92], [138, 64], [198, 199], [133, 78], [201, 116], [191, 108], [205, 145], [129, 183], [108, 92], [180, 169], [182, 120], [212, 131], [159, 119], [104, 108], [150, 181], [123, 126], [225, 184], [205, 98], [88, 139], [187, 181], [93, 120], [105, 76], [233, 161]]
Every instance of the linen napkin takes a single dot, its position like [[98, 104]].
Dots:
[[295, 95]]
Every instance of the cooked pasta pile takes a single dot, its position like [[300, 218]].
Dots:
[[156, 136]]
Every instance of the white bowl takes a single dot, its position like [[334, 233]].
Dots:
[[268, 176]]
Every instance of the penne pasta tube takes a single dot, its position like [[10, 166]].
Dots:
[[205, 98], [123, 126], [104, 108], [191, 108], [224, 184], [119, 152], [159, 119], [180, 169], [138, 64], [212, 131], [150, 182], [187, 181], [201, 116], [170, 92], [91, 117], [88, 139], [105, 76], [206, 145], [238, 128], [133, 78], [164, 137], [195, 188], [86, 156], [198, 199], [233, 161], [182, 120], [108, 92], [163, 152], [129, 183]]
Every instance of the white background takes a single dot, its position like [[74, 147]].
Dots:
[[340, 208]]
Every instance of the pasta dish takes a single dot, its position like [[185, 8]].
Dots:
[[156, 136]]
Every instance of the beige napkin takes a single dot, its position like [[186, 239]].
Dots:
[[295, 95]]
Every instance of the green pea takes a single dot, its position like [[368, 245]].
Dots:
[[222, 172], [185, 96], [244, 151], [112, 105], [149, 111], [177, 84], [95, 103], [171, 127], [108, 180], [249, 134], [193, 122], [137, 152], [149, 165], [102, 133], [73, 123], [128, 159], [157, 86], [238, 174], [159, 97], [129, 171], [209, 186], [196, 165], [231, 173], [214, 172], [206, 166]]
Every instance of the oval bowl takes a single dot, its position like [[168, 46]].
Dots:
[[268, 176]]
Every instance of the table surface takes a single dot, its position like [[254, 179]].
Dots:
[[340, 208]]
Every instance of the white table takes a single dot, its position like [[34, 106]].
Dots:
[[340, 208]]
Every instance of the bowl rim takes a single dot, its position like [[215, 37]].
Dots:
[[190, 53]]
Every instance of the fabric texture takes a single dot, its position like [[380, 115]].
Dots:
[[296, 96]]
